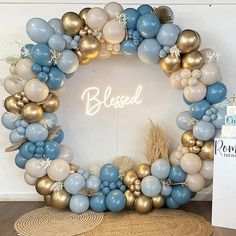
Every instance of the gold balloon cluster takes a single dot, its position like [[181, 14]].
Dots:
[[204, 149], [134, 197]]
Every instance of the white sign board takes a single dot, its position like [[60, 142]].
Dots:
[[224, 184]]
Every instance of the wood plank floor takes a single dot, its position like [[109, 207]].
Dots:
[[11, 211]]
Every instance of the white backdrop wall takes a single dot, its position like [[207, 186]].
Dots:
[[111, 132]]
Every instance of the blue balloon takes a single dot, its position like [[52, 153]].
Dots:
[[25, 51], [98, 202], [49, 119], [181, 194], [57, 42], [36, 132], [160, 168], [204, 130], [59, 136], [39, 30], [15, 137], [167, 35], [166, 190], [27, 150], [198, 109], [93, 182], [55, 23], [145, 8], [170, 203], [109, 172], [56, 78], [41, 54], [216, 93], [84, 173], [8, 120], [74, 183], [115, 200], [220, 118], [20, 161], [148, 25], [79, 203], [151, 186], [128, 48], [177, 175], [184, 120], [148, 51], [51, 149], [132, 16]]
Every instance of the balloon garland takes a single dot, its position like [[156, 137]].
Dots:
[[37, 80]]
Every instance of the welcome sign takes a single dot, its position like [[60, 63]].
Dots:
[[224, 187]]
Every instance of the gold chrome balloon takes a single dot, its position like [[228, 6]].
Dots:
[[207, 151], [43, 185], [32, 112], [129, 199], [71, 23], [170, 64], [143, 170], [129, 178], [188, 41], [194, 149], [48, 200], [83, 13], [158, 201], [193, 60], [60, 199], [52, 104], [82, 59], [73, 168], [143, 204], [89, 46], [187, 139], [10, 105]]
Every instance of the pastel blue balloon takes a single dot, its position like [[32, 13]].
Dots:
[[25, 51], [39, 30], [148, 51], [79, 203], [15, 137], [57, 42], [59, 136], [184, 120], [186, 100], [84, 173], [8, 120], [109, 172], [50, 119], [198, 109], [166, 190], [181, 194], [132, 16], [55, 23], [220, 118], [41, 54], [27, 150], [167, 35], [151, 186], [148, 25], [20, 161], [93, 182], [36, 132], [56, 78], [115, 200], [177, 174], [98, 202], [145, 8], [51, 149], [216, 93], [74, 183], [128, 48], [68, 62], [204, 130], [160, 168], [170, 203]]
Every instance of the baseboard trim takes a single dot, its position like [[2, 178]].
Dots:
[[21, 197]]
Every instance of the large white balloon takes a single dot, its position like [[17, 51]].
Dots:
[[66, 153], [191, 163], [35, 168], [23, 69], [113, 9], [13, 85], [195, 182], [207, 169], [96, 18]]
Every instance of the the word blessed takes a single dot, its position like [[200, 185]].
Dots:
[[225, 148], [95, 99]]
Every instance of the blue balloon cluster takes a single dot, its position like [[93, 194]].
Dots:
[[18, 132]]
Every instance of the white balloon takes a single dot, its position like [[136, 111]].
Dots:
[[29, 179], [113, 9], [23, 69], [175, 157], [66, 153], [195, 182], [210, 73], [191, 163], [35, 168], [11, 84], [207, 169], [96, 18]]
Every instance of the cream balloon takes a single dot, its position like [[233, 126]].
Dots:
[[195, 93], [66, 153], [113, 32], [210, 74], [96, 18], [12, 69], [113, 9], [11, 86], [195, 182], [29, 179], [104, 53], [36, 90], [210, 55], [23, 69], [175, 157], [207, 170], [35, 168], [191, 163], [175, 80]]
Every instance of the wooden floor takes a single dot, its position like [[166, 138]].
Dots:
[[11, 211]]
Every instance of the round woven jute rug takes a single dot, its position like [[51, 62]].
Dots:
[[164, 222]]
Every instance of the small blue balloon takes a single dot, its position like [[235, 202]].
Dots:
[[109, 172], [98, 202], [36, 132], [167, 35], [106, 190], [204, 130], [112, 186], [59, 136], [181, 194], [20, 130], [145, 8], [56, 78], [198, 109], [39, 150], [220, 118], [41, 54], [84, 173], [24, 123], [50, 119], [25, 51], [216, 93], [93, 182], [42, 76], [132, 16], [36, 68], [128, 48], [166, 190], [15, 137], [177, 175], [74, 183], [55, 23], [20, 161], [79, 203], [184, 120], [151, 186], [115, 200], [160, 168], [170, 203], [51, 150], [148, 25], [57, 42], [25, 148], [8, 120]]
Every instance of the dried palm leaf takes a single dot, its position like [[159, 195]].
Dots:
[[15, 146], [165, 14], [52, 133], [88, 192], [124, 164]]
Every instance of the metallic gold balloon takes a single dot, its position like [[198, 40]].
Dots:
[[82, 59], [73, 168], [193, 60], [89, 46], [199, 143], [170, 64], [43, 185], [60, 199], [32, 112], [129, 178], [188, 41], [52, 104], [143, 204], [158, 201], [194, 149], [72, 23], [129, 199], [143, 170], [83, 13], [207, 151], [10, 105], [187, 139], [48, 200]]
